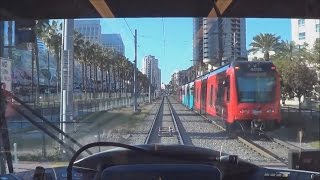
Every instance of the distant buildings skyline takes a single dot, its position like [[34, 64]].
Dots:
[[151, 70], [91, 31]]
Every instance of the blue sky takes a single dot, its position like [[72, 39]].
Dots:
[[170, 39]]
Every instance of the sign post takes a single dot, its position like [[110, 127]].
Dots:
[[6, 72]]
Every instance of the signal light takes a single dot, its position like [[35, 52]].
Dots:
[[237, 67]]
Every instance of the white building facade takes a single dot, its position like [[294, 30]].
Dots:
[[305, 31]]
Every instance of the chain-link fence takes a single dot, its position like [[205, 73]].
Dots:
[[306, 119], [29, 139]]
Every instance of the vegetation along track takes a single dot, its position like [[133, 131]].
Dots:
[[164, 128]]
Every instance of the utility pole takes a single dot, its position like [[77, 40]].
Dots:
[[66, 97], [150, 84], [234, 46], [220, 40], [135, 73]]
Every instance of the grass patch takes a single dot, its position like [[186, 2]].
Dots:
[[103, 121], [37, 156], [316, 144]]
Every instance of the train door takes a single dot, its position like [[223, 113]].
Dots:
[[211, 96], [191, 98], [188, 95], [197, 95], [203, 99], [220, 103], [226, 84]]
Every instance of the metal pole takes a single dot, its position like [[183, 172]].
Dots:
[[48, 74], [220, 40], [135, 73], [150, 91], [150, 84], [234, 46], [66, 98]]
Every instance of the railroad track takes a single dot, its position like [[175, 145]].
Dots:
[[271, 148], [164, 128], [265, 145]]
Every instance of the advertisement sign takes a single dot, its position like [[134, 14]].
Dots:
[[6, 72]]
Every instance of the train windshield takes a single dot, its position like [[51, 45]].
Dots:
[[256, 87]]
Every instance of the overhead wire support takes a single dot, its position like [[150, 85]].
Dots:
[[134, 68]]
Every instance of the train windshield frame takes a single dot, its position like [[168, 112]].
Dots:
[[256, 87]]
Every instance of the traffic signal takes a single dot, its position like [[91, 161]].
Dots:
[[24, 32]]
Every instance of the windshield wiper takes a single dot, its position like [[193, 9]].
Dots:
[[41, 127]]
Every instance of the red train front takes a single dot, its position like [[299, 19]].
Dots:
[[242, 93]]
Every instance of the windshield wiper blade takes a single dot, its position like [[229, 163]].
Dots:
[[44, 129]]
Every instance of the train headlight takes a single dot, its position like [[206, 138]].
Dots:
[[270, 111], [244, 111]]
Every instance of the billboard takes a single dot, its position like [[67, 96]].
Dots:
[[6, 72]]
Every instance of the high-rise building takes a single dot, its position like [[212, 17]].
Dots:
[[232, 32], [151, 69], [197, 40], [90, 29], [305, 31], [113, 41]]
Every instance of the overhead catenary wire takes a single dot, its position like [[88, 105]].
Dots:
[[128, 26], [164, 38]]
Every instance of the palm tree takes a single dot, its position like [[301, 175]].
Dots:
[[286, 51], [79, 53], [129, 77], [87, 56], [290, 51], [265, 43], [39, 29], [96, 56], [109, 65], [52, 38]]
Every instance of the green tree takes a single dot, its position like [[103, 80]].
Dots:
[[315, 59], [265, 43], [286, 51], [298, 78], [286, 89]]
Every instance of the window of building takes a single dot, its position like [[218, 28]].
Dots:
[[302, 36], [301, 22], [317, 27]]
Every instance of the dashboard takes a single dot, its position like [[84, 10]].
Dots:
[[165, 162]]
